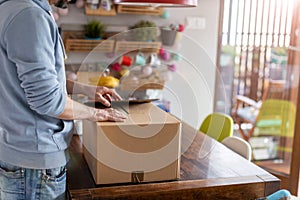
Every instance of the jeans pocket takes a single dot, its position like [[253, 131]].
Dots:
[[63, 137], [53, 184], [12, 181]]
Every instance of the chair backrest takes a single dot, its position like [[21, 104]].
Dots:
[[278, 114], [276, 119], [217, 126], [275, 89], [239, 146]]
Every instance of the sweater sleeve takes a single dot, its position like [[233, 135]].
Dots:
[[30, 42]]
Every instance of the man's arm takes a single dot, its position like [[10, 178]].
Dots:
[[98, 93], [75, 110]]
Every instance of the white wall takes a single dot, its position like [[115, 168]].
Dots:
[[191, 90], [196, 92]]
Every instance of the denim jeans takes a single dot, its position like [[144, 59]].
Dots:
[[18, 183]]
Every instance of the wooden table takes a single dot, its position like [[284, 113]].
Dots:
[[209, 170]]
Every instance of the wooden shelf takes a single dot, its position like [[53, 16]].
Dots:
[[100, 11], [126, 46], [140, 10], [74, 41], [137, 81], [142, 85], [83, 45], [125, 84]]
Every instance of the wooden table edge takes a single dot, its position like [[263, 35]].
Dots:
[[185, 189]]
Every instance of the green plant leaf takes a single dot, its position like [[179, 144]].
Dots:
[[94, 29]]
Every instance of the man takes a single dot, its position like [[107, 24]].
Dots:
[[36, 118]]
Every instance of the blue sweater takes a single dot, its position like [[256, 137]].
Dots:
[[32, 86]]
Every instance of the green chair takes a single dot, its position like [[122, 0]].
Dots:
[[276, 117], [218, 126], [273, 130]]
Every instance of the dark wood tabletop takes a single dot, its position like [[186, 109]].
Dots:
[[208, 170]]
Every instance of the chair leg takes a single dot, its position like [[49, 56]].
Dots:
[[250, 132], [248, 135], [242, 132]]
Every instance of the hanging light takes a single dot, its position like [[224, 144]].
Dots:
[[157, 3]]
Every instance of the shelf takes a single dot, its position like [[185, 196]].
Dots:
[[142, 85], [136, 80], [74, 41], [100, 11], [125, 84], [126, 46], [140, 10], [83, 45]]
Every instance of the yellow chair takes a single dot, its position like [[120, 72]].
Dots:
[[246, 110], [217, 126], [275, 120], [276, 117]]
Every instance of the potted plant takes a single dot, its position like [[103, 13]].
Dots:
[[94, 29], [145, 31]]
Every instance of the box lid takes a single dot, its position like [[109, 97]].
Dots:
[[142, 114]]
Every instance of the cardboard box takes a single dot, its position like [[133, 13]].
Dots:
[[145, 148]]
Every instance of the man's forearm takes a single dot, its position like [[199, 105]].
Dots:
[[75, 87], [74, 110]]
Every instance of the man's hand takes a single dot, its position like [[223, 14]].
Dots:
[[107, 114], [74, 110], [99, 93], [106, 95]]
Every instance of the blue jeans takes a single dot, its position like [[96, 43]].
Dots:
[[18, 183]]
